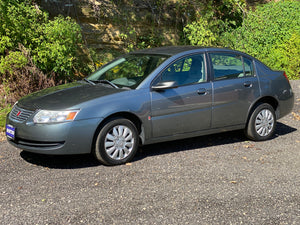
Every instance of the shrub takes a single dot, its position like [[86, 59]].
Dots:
[[53, 44], [57, 48], [13, 60], [36, 52], [212, 19], [19, 81], [199, 33], [3, 113], [270, 33], [285, 56]]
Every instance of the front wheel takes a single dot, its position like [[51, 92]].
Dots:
[[117, 142], [262, 123]]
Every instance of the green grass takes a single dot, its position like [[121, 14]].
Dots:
[[3, 113]]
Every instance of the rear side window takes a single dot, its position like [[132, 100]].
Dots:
[[227, 66], [248, 64]]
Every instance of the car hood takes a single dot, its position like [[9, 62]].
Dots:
[[65, 96]]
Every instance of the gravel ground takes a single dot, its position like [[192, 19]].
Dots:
[[215, 179]]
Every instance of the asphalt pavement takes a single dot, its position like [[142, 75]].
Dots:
[[215, 179]]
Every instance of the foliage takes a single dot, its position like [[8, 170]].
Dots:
[[3, 113], [200, 33], [270, 33], [36, 52], [202, 22], [213, 18], [285, 56], [133, 41], [139, 23], [53, 44], [13, 60], [57, 48], [22, 80]]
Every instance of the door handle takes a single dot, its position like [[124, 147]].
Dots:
[[247, 84], [202, 91]]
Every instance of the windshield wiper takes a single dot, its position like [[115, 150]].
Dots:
[[107, 82], [89, 81]]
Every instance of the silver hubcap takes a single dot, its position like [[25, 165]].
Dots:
[[119, 142], [264, 122]]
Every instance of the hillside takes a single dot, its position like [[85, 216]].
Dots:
[[120, 25]]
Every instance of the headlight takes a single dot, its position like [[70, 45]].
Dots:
[[46, 116]]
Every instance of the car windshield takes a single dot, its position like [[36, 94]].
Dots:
[[127, 71]]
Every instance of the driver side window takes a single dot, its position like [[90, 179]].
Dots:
[[187, 70]]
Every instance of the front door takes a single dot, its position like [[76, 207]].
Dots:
[[186, 108]]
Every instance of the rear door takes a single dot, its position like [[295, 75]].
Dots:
[[235, 87]]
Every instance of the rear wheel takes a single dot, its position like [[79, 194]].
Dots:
[[262, 123], [117, 142]]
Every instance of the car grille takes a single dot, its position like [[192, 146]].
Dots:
[[20, 115]]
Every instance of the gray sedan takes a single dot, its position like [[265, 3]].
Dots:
[[151, 96]]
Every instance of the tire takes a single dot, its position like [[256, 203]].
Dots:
[[117, 142], [262, 123]]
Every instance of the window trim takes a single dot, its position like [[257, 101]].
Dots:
[[212, 73], [205, 64], [253, 67]]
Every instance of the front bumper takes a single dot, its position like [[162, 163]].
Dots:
[[74, 137]]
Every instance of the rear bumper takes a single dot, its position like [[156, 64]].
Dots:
[[286, 104]]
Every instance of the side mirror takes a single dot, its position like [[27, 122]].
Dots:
[[160, 86]]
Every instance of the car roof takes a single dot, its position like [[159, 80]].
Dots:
[[173, 50]]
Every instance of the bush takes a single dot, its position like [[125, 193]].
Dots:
[[200, 33], [36, 52], [57, 48], [3, 113], [285, 56], [214, 18], [13, 60], [20, 80], [53, 44], [270, 33]]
